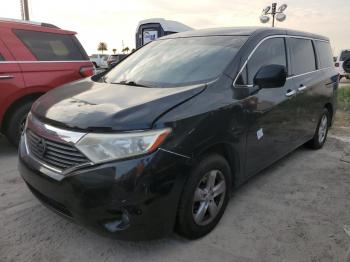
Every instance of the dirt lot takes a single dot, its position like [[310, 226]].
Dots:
[[293, 211]]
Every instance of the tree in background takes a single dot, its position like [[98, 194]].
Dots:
[[126, 50], [114, 50], [102, 46]]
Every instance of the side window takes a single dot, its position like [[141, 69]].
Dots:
[[50, 46], [302, 56], [2, 58], [324, 54], [271, 51]]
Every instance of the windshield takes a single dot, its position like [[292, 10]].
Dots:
[[177, 62]]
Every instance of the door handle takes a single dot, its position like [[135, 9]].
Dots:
[[3, 77], [291, 93], [302, 87]]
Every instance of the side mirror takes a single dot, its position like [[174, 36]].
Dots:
[[271, 76]]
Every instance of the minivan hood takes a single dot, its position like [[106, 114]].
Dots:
[[95, 106]]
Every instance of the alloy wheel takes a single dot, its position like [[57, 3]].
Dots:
[[322, 130], [208, 197]]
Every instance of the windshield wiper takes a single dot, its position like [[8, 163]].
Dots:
[[129, 83]]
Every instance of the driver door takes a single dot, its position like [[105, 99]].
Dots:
[[269, 113]]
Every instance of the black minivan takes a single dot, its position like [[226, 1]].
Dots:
[[160, 141]]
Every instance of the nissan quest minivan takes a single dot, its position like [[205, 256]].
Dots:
[[158, 143]]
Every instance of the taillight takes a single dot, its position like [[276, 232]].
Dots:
[[86, 71], [336, 64]]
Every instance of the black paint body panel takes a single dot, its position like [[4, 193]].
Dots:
[[210, 116]]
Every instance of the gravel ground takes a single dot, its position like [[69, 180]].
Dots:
[[293, 211]]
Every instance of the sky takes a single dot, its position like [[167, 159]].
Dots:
[[114, 21]]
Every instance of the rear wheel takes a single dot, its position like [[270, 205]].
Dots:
[[16, 123], [321, 132], [205, 197]]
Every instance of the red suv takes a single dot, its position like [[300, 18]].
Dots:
[[34, 58]]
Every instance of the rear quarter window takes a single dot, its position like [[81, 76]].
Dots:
[[2, 58], [324, 54], [52, 47]]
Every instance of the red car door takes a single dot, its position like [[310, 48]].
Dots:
[[11, 79]]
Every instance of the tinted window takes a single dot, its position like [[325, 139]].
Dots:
[[51, 47], [271, 51], [2, 58], [324, 54], [178, 61], [344, 55], [302, 56]]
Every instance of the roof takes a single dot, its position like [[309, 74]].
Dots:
[[167, 25], [36, 26], [247, 31]]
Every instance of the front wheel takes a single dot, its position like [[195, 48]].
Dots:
[[16, 123], [321, 132], [205, 197]]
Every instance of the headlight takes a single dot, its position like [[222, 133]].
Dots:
[[106, 147]]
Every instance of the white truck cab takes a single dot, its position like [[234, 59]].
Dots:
[[99, 60]]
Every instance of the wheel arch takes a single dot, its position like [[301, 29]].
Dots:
[[227, 151], [9, 111], [330, 109]]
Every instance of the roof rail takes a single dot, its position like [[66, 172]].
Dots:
[[27, 22]]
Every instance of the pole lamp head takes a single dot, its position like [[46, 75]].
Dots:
[[264, 19], [280, 17], [266, 10], [282, 7]]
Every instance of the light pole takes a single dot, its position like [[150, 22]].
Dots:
[[278, 14], [24, 10]]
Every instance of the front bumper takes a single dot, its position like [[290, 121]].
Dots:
[[133, 199]]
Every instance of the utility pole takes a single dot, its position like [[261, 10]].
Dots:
[[24, 10]]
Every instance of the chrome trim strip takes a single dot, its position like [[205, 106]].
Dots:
[[37, 62], [174, 153], [270, 37], [6, 77], [53, 133], [303, 74], [65, 135]]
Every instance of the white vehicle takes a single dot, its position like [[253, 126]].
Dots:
[[343, 63], [153, 28], [99, 60]]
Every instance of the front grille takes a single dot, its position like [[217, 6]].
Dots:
[[55, 154]]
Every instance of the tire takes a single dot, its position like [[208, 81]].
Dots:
[[16, 123], [191, 223], [346, 65], [321, 132]]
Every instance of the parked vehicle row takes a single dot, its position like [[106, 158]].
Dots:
[[158, 143], [34, 58], [99, 60]]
